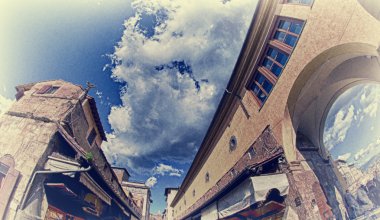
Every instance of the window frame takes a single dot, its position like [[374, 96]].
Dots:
[[280, 47], [3, 175], [48, 90], [93, 131]]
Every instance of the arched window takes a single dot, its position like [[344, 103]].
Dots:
[[8, 179]]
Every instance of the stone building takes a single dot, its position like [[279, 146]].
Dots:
[[169, 196], [263, 152], [138, 192], [51, 163], [352, 176]]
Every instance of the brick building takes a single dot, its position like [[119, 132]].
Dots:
[[263, 154], [51, 163]]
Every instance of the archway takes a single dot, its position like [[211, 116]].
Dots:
[[317, 87]]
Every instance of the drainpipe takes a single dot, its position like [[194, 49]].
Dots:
[[26, 193]]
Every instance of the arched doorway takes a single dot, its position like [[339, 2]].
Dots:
[[317, 87]]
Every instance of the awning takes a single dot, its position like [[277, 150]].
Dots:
[[210, 212], [251, 191], [58, 164]]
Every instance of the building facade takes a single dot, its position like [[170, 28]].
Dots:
[[51, 163], [169, 197], [263, 154], [141, 195]]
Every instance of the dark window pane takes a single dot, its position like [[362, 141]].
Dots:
[[52, 90], [282, 58], [267, 86], [4, 168], [267, 63], [255, 89], [296, 28], [91, 137], [284, 25], [259, 78], [276, 70], [290, 40], [261, 96], [279, 35], [272, 53]]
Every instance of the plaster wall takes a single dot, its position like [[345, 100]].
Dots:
[[331, 29]]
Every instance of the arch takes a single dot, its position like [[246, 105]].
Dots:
[[322, 80], [372, 7], [8, 160]]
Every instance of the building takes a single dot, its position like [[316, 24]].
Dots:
[[140, 194], [155, 217], [169, 196], [263, 153], [352, 176], [51, 162]]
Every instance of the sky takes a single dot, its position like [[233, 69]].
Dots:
[[352, 130], [159, 67]]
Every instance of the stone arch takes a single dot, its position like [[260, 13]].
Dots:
[[311, 97], [323, 80], [372, 7], [8, 160]]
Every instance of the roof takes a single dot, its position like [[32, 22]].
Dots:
[[122, 168], [95, 114], [251, 51], [167, 190], [135, 184]]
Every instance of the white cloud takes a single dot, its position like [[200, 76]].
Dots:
[[175, 73], [5, 104], [337, 132], [366, 153], [163, 169], [151, 181], [362, 107], [370, 100], [344, 157]]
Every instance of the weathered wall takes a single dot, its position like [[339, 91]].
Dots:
[[328, 24], [27, 128]]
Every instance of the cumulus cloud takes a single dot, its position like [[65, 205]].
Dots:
[[175, 58], [370, 100], [337, 132], [363, 106], [5, 104], [163, 169], [366, 153], [151, 181]]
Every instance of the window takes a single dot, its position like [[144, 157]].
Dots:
[[52, 90], [277, 53], [48, 89], [288, 32], [3, 172], [91, 137], [193, 192], [207, 177], [302, 2], [233, 143]]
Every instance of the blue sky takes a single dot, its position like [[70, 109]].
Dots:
[[159, 68]]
